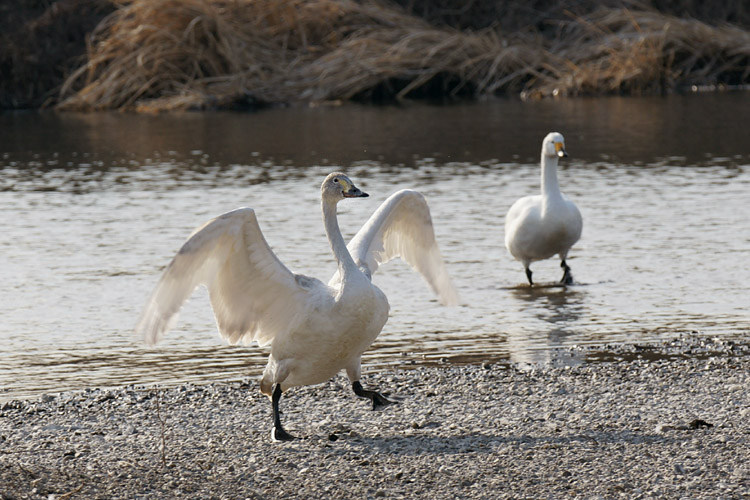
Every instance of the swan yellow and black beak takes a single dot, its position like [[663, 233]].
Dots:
[[560, 150], [352, 191]]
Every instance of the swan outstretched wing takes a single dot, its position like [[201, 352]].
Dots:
[[253, 295], [402, 227]]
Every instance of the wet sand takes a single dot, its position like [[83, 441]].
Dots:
[[668, 420]]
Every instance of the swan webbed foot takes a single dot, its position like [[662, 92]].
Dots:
[[567, 278], [278, 433], [528, 276], [376, 398]]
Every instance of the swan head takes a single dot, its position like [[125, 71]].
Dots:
[[338, 186], [554, 145]]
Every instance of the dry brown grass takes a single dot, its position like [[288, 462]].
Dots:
[[637, 52], [181, 54]]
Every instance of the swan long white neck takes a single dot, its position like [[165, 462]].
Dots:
[[550, 186], [340, 252]]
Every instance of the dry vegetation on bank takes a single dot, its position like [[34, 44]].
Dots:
[[197, 54]]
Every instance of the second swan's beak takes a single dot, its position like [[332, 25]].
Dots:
[[354, 192], [560, 150]]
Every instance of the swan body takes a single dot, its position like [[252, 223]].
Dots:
[[314, 329], [541, 226]]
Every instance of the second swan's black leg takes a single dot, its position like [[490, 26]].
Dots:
[[528, 276], [279, 434], [376, 398], [567, 278]]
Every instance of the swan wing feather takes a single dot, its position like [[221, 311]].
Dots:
[[402, 227], [253, 295]]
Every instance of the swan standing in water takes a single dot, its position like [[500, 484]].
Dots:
[[538, 227], [315, 330]]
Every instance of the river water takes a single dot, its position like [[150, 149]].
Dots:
[[95, 205]]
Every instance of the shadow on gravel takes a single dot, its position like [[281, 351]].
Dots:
[[486, 443]]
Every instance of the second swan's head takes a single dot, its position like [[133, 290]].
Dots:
[[554, 145], [338, 186]]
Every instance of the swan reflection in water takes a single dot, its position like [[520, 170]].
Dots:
[[554, 312]]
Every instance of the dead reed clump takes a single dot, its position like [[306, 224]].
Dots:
[[379, 45], [187, 54], [405, 62], [645, 52], [169, 54], [156, 49]]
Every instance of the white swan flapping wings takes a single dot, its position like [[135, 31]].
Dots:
[[402, 227], [315, 330], [538, 227]]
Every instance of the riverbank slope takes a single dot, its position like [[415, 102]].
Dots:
[[160, 55]]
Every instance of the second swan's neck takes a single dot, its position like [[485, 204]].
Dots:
[[340, 252], [550, 187]]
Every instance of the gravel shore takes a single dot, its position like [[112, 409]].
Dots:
[[668, 420]]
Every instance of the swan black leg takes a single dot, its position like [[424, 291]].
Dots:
[[279, 434], [528, 276], [567, 278], [376, 398]]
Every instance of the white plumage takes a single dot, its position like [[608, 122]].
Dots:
[[315, 330], [538, 227]]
